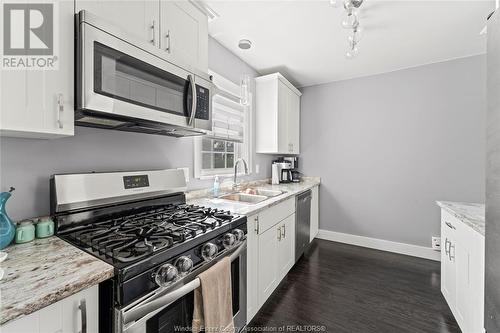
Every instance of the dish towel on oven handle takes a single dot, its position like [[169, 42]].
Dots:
[[213, 305]]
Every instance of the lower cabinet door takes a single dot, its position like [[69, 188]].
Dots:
[[286, 246], [81, 307], [460, 255], [252, 267], [448, 267], [65, 316], [268, 270]]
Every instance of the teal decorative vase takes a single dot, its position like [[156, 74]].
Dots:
[[7, 227]]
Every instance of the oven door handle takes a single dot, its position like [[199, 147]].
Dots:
[[150, 308]]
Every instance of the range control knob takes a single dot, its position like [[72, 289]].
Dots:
[[228, 240], [239, 234], [166, 274], [209, 251], [184, 265]]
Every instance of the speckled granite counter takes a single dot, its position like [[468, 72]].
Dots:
[[472, 214], [45, 271], [203, 198]]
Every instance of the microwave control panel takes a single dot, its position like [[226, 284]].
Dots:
[[202, 103]]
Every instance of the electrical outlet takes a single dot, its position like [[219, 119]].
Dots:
[[436, 243], [257, 168]]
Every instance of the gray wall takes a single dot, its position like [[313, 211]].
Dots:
[[27, 164], [388, 146]]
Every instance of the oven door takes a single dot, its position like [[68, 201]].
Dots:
[[171, 310], [120, 80]]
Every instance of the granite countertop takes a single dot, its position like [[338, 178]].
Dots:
[[472, 214], [43, 272], [203, 198]]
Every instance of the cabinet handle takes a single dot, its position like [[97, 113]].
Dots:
[[279, 234], [168, 41], [446, 251], [83, 312], [257, 225], [153, 30], [451, 226], [283, 231], [452, 258], [60, 110]]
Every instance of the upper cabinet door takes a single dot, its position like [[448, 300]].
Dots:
[[184, 33], [277, 115], [283, 118], [140, 19], [294, 123], [38, 102]]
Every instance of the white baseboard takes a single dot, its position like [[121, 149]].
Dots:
[[380, 244]]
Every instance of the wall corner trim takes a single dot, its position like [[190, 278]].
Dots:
[[380, 244]]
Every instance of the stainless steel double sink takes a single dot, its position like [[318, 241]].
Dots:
[[251, 195]]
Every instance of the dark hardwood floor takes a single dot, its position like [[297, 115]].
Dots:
[[352, 289]]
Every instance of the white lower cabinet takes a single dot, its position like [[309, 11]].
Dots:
[[65, 316], [268, 263], [462, 272], [286, 246], [270, 253]]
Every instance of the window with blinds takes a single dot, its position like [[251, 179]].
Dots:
[[228, 118], [216, 152]]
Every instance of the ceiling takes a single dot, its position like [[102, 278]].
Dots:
[[305, 42]]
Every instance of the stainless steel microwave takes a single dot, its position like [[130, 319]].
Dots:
[[124, 84]]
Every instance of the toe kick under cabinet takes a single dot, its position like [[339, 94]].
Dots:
[[462, 272], [271, 252]]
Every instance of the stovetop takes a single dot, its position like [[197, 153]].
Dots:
[[124, 239]]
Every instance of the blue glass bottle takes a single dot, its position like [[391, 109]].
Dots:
[[7, 227]]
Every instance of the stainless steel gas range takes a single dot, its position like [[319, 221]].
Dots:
[[139, 222]]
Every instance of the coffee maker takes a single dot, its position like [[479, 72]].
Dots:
[[284, 170], [294, 161]]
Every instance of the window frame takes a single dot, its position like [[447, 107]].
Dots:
[[246, 145]]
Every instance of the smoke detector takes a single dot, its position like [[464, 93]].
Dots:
[[244, 44]]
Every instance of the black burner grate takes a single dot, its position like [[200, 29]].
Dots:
[[134, 236]]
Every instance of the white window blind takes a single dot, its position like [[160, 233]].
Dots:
[[229, 117]]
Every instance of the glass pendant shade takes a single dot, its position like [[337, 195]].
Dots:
[[353, 50], [356, 36], [350, 21], [334, 3], [244, 89]]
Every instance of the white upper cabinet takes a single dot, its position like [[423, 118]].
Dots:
[[176, 27], [184, 33], [277, 115], [39, 103], [139, 19]]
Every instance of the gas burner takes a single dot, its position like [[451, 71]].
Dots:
[[137, 234]]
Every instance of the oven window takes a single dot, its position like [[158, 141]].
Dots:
[[178, 316], [126, 78]]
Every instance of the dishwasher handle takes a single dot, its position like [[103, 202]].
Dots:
[[305, 196]]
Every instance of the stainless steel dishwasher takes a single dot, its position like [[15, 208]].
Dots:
[[302, 223]]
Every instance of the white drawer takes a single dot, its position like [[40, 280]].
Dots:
[[276, 214]]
